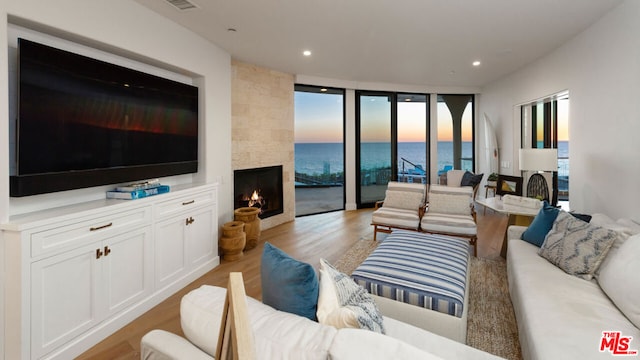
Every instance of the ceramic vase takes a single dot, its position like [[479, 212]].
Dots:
[[249, 215]]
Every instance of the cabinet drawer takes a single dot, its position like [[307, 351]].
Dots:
[[73, 235], [177, 205]]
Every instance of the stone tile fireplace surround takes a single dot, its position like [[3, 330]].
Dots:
[[263, 128]]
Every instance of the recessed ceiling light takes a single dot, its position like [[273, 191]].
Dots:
[[476, 63], [306, 53]]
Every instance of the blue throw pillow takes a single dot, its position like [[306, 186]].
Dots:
[[541, 225], [288, 284]]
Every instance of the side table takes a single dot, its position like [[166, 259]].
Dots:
[[517, 216]]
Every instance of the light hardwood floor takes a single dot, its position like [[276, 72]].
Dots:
[[307, 239]]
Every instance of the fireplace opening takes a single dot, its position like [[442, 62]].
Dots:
[[260, 188]]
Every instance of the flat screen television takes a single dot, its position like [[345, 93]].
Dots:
[[83, 122]]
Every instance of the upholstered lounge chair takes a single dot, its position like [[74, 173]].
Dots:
[[465, 180], [451, 212], [402, 208]]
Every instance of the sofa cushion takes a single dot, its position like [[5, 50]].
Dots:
[[541, 224], [575, 246], [448, 224], [618, 278], [288, 284], [276, 334], [345, 303], [559, 315], [400, 218], [351, 344]]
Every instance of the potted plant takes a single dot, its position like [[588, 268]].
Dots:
[[492, 179]]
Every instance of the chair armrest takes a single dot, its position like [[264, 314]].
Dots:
[[422, 209], [163, 345], [378, 204]]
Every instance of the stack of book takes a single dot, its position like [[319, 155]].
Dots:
[[138, 190]]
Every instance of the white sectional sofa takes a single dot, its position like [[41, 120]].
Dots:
[[281, 335], [561, 316]]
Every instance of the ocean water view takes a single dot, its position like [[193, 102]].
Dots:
[[317, 159]]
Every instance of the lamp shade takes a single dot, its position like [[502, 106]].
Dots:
[[538, 159]]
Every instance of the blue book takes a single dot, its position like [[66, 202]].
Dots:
[[138, 194]]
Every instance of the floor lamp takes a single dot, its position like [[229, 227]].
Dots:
[[539, 160]]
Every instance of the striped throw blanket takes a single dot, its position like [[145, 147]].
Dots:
[[425, 270]]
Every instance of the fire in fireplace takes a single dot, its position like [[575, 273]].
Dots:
[[260, 188]]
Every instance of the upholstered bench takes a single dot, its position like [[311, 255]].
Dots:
[[421, 279]]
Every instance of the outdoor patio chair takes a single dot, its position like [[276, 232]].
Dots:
[[401, 208]]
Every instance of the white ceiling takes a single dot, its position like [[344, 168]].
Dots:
[[417, 42]]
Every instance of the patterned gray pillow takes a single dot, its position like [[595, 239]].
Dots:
[[575, 246]]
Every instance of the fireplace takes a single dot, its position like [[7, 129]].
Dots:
[[260, 188]]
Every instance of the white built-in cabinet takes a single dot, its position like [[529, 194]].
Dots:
[[76, 274]]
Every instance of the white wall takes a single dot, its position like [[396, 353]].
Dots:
[[601, 70]]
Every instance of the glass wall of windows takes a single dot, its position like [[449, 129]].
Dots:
[[412, 138], [392, 141], [319, 149], [455, 133], [545, 124], [374, 145]]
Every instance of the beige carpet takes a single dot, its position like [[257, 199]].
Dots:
[[491, 324]]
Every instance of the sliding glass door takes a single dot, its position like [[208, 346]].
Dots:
[[319, 149], [413, 138], [374, 145], [392, 142]]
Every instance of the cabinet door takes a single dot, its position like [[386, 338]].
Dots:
[[127, 269], [63, 290], [170, 255], [202, 237]]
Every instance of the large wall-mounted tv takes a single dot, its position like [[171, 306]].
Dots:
[[83, 122]]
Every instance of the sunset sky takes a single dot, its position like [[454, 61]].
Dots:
[[319, 119]]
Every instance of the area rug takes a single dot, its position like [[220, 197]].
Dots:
[[491, 323]]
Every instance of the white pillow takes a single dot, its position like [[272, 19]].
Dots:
[[355, 307], [454, 177], [619, 278], [329, 310], [449, 204]]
